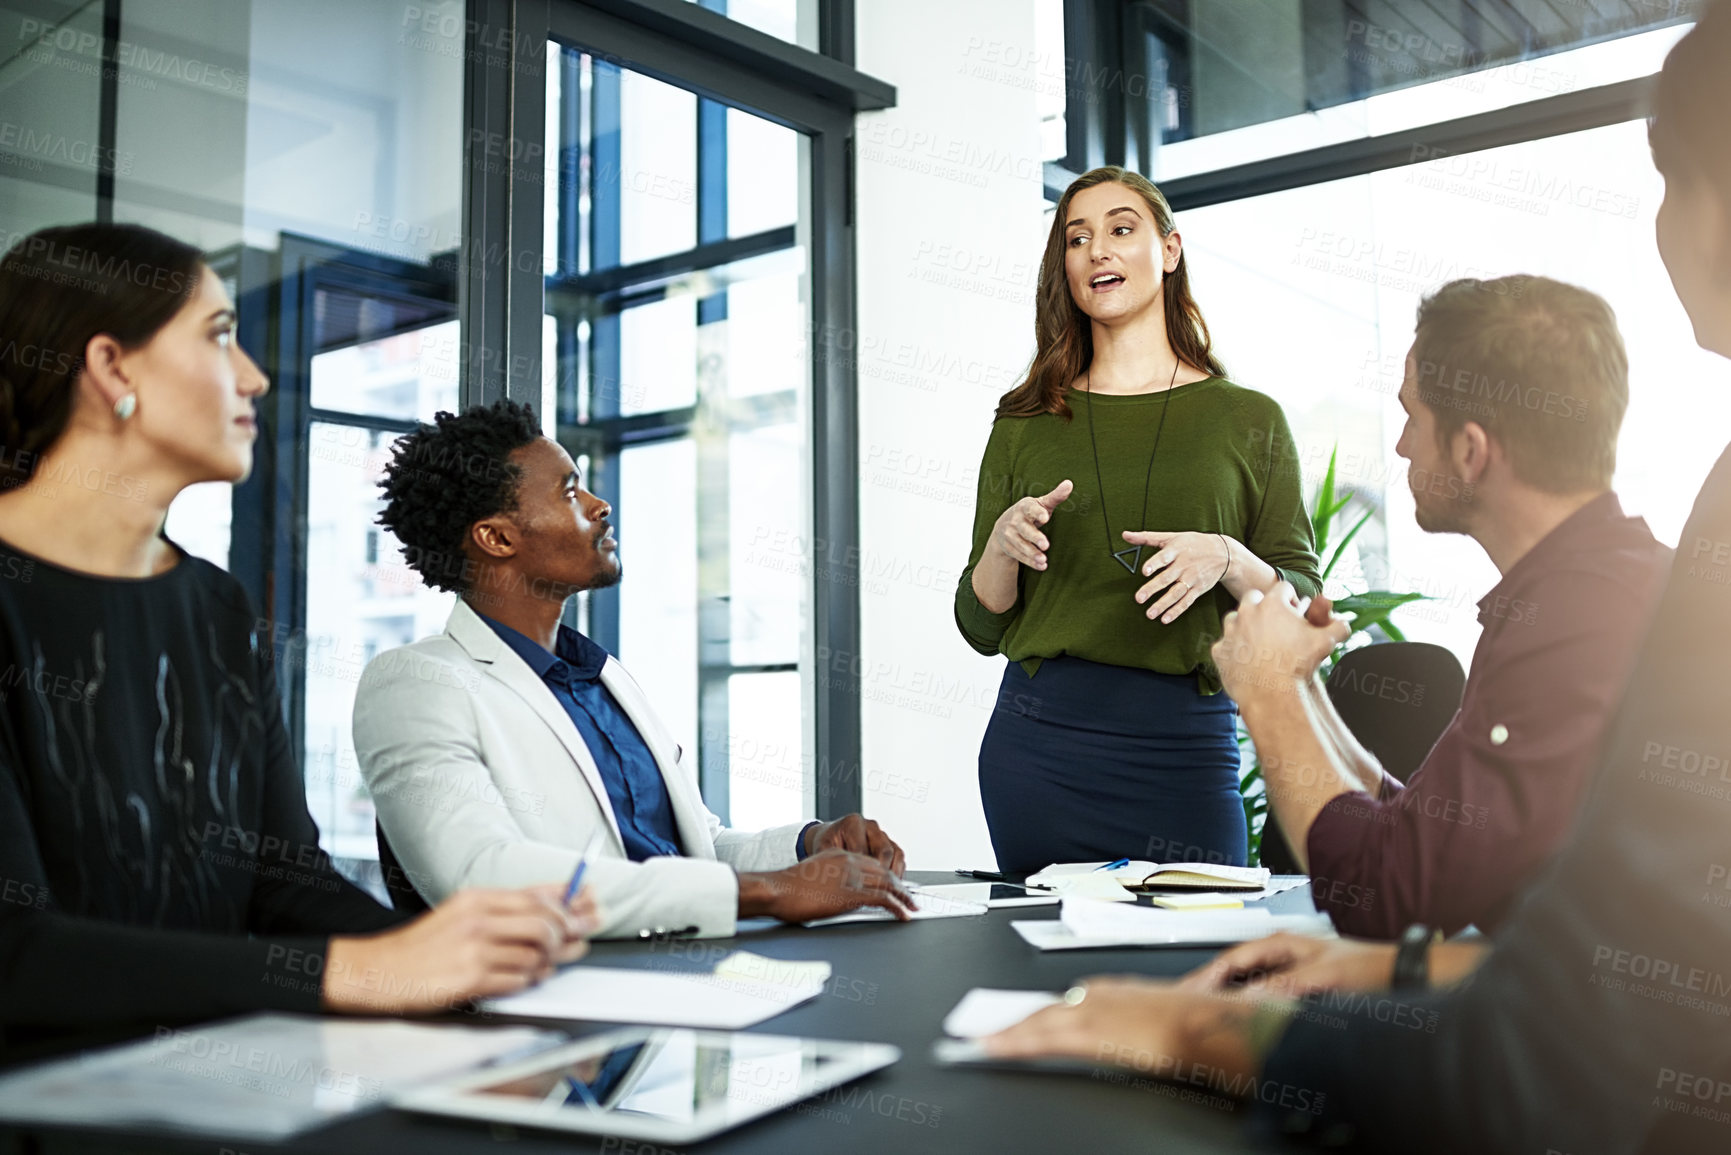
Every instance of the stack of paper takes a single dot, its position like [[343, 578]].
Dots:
[[744, 990], [930, 906], [743, 964], [984, 1011], [1085, 923]]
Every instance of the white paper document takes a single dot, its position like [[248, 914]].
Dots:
[[930, 906], [1277, 884], [1083, 923], [725, 1001], [263, 1077], [996, 895], [1099, 887], [984, 1011]]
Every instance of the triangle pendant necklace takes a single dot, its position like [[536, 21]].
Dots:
[[1130, 557]]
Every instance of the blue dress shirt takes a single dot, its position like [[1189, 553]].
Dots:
[[628, 770]]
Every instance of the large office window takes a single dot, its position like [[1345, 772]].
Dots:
[[290, 139], [368, 180], [677, 292], [1311, 294], [361, 599]]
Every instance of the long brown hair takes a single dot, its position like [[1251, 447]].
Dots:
[[1063, 334], [60, 287]]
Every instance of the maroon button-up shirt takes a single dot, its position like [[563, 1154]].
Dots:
[[1497, 792]]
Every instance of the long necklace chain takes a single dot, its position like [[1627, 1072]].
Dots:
[[1123, 556]]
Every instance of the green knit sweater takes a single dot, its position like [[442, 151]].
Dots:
[[1226, 464]]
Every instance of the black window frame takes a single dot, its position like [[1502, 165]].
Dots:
[[277, 495], [1107, 117]]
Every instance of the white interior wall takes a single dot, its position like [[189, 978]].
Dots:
[[951, 226]]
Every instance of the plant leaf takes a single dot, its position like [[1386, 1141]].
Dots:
[[1344, 542], [1376, 600], [1324, 508]]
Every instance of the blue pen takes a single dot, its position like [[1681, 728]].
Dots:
[[582, 865], [1109, 866]]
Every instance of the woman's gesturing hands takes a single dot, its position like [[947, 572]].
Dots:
[[1186, 565], [1017, 534], [478, 943]]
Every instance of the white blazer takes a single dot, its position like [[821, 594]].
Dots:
[[481, 779]]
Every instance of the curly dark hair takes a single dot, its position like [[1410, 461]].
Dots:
[[444, 477]]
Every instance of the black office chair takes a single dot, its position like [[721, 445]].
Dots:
[[1396, 698], [404, 896]]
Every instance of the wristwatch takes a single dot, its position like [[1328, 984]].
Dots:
[[1412, 958]]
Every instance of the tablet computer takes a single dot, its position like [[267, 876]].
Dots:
[[993, 894], [665, 1085]]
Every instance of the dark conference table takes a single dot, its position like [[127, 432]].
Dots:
[[892, 984]]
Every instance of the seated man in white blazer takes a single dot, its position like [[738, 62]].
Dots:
[[497, 751]]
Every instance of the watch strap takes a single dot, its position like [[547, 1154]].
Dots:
[[1412, 959]]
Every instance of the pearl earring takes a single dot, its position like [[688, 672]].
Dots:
[[126, 406]]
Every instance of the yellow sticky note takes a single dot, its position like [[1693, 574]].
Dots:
[[1210, 901]]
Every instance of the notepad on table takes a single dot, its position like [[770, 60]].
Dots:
[[1152, 876], [984, 1011], [736, 996]]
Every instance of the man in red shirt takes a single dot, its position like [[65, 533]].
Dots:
[[1514, 394]]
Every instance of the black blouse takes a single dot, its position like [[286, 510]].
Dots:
[[157, 861]]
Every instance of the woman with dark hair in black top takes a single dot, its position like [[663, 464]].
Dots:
[[157, 861]]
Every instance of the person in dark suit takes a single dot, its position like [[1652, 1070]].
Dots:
[[1598, 1022]]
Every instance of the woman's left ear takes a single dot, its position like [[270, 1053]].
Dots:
[[1174, 249], [103, 369]]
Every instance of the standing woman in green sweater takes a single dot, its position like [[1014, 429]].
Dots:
[[1129, 496]]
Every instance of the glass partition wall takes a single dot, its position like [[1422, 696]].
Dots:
[[633, 216]]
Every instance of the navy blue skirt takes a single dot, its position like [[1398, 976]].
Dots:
[[1086, 761]]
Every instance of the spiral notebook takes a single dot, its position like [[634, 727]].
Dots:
[[1152, 877]]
